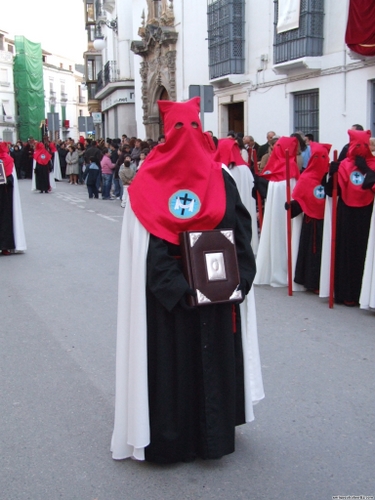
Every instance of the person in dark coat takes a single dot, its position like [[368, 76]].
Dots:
[[17, 154], [27, 159], [90, 176], [356, 178], [191, 359], [62, 151]]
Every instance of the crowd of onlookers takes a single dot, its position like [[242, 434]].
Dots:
[[117, 161]]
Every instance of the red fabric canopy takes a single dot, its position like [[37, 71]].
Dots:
[[360, 30]]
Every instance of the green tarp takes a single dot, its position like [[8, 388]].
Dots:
[[28, 83]]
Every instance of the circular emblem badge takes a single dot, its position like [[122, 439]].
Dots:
[[267, 172], [356, 178], [43, 156], [184, 204], [319, 192]]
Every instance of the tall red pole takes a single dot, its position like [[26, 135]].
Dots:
[[333, 237], [255, 172], [289, 224]]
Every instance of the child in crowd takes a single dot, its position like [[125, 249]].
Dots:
[[126, 174], [91, 175]]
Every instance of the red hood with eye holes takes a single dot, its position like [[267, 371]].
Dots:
[[179, 187], [308, 191], [350, 179]]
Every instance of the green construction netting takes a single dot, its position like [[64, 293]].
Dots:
[[28, 83]]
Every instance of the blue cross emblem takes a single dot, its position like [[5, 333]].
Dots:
[[319, 192], [184, 204], [356, 178], [43, 156]]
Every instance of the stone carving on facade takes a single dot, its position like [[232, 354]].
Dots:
[[157, 47]]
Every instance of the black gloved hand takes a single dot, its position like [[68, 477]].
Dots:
[[334, 167], [295, 208], [244, 288], [10, 180], [361, 164], [184, 303], [369, 181]]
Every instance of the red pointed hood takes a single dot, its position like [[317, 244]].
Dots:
[[308, 191], [359, 144], [275, 169], [350, 179], [179, 187], [41, 155], [228, 152], [7, 159]]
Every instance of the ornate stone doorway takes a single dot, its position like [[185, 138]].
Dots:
[[157, 48]]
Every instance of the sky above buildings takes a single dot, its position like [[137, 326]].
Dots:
[[58, 26]]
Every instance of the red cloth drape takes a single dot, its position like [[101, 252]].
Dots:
[[360, 30]]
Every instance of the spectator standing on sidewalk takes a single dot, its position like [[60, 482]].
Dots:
[[107, 173]]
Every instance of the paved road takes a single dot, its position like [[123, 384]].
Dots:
[[313, 436]]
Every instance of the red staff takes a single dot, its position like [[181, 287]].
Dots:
[[289, 223], [333, 236], [253, 165]]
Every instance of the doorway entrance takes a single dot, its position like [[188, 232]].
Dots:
[[236, 117]]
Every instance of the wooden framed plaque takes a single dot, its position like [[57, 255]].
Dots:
[[210, 266], [3, 177]]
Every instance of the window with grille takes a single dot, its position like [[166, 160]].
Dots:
[[306, 112], [305, 41], [226, 37], [8, 136]]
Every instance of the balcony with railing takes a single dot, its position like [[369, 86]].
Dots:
[[226, 37], [107, 75], [63, 97], [306, 41], [52, 97]]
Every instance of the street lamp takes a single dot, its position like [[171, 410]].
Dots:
[[99, 42]]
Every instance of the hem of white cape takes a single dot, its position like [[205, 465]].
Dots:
[[128, 457], [367, 307], [18, 250]]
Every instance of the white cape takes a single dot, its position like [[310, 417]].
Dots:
[[245, 183], [56, 166], [325, 267], [272, 259], [18, 228], [52, 181], [131, 432], [367, 297]]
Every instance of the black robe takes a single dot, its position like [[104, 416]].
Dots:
[[352, 232], [353, 227], [42, 177], [307, 271], [195, 358], [6, 215]]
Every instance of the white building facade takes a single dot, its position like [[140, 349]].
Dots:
[[304, 78], [109, 66], [8, 130], [65, 96]]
